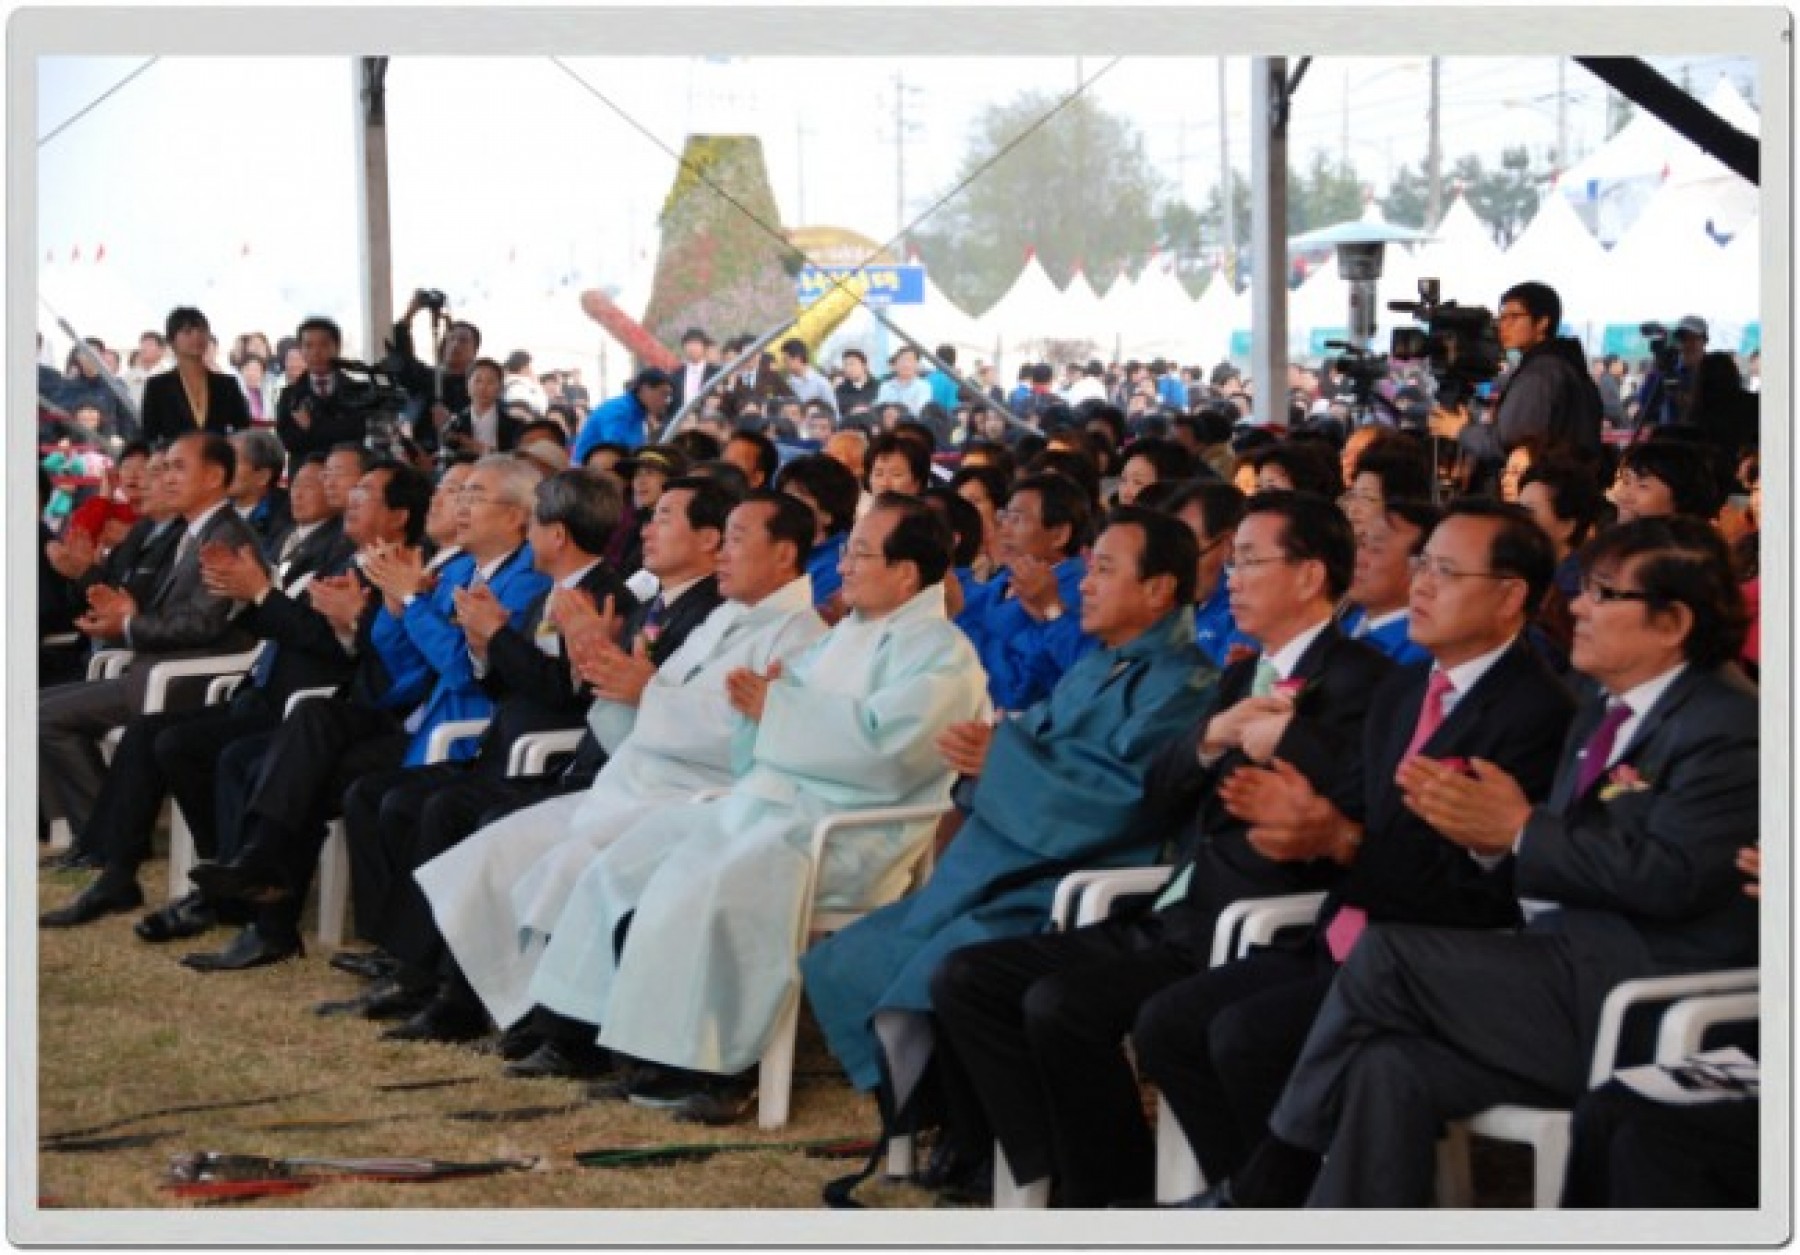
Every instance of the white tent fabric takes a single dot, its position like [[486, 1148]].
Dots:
[[1213, 314], [1556, 248], [1662, 264], [1161, 318], [1082, 312], [1026, 316], [1462, 255], [938, 320], [1730, 288]]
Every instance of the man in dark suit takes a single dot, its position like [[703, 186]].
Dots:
[[304, 767], [179, 618], [309, 415], [683, 556], [523, 669], [1627, 869], [178, 751], [1036, 1024], [694, 371], [315, 540]]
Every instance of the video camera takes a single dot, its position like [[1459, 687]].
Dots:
[[378, 398], [431, 299], [1461, 344], [1662, 349]]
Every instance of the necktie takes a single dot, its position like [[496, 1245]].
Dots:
[[1261, 685], [183, 551], [1598, 751], [1347, 925], [321, 385], [1265, 679]]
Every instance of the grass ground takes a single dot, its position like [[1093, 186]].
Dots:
[[124, 1030]]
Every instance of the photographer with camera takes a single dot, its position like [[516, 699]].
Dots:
[[1549, 398], [437, 393], [309, 414]]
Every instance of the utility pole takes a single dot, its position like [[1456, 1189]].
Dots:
[[1344, 125], [368, 80], [1562, 119], [899, 154], [1227, 211], [1434, 157], [1269, 92], [800, 171]]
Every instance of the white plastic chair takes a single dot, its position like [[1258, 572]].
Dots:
[[531, 752], [775, 1080], [1545, 1130], [1091, 896], [334, 858]]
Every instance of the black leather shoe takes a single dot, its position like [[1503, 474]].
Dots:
[[246, 882], [958, 1177], [250, 949], [441, 1020], [96, 901], [368, 964], [384, 1000], [176, 921], [520, 1040], [1218, 1198], [72, 859], [719, 1103], [552, 1059]]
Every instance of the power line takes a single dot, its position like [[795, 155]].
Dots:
[[96, 102]]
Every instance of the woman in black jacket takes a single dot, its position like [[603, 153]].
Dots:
[[191, 397]]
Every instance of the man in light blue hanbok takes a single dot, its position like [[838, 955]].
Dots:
[[712, 891], [668, 734], [1060, 787]]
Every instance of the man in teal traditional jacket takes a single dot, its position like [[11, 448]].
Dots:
[[1059, 787]]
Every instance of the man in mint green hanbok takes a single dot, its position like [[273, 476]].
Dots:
[[711, 891]]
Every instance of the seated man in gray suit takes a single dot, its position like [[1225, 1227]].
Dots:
[[1628, 870], [179, 618]]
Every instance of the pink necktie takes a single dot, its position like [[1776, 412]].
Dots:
[[1348, 924], [1598, 750]]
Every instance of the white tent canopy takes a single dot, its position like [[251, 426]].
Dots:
[[1023, 319], [1661, 265], [1082, 312], [1160, 319], [1462, 255], [1212, 321], [1557, 249]]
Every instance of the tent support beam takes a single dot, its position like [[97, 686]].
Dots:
[[373, 236], [1269, 87], [1638, 82]]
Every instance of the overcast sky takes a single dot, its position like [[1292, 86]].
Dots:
[[508, 174]]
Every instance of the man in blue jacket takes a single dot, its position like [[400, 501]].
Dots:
[[623, 419], [325, 745], [1026, 621]]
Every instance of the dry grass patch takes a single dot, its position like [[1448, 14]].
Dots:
[[123, 1029]]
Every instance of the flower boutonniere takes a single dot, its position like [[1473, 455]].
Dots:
[[1295, 690], [648, 634], [1238, 653], [1621, 780]]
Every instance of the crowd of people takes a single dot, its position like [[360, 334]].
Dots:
[[1484, 677]]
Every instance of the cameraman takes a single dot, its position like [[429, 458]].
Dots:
[[1549, 399], [309, 414], [435, 394]]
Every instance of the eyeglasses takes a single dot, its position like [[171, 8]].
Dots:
[[865, 555], [1010, 515], [1506, 315], [1599, 593], [1232, 567], [1438, 569]]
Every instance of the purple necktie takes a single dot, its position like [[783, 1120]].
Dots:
[[1598, 750]]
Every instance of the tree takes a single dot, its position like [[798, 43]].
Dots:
[[1505, 199], [1330, 192], [1407, 196], [1078, 189]]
